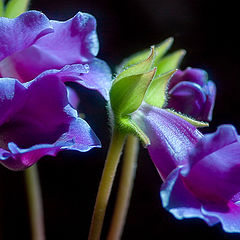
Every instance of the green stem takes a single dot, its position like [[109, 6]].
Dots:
[[109, 171], [35, 203], [125, 188]]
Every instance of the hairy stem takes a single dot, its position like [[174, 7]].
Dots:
[[125, 188], [104, 190]]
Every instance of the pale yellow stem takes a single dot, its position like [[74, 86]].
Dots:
[[104, 190], [34, 195], [125, 188]]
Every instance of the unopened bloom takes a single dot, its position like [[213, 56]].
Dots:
[[31, 44], [191, 93], [37, 120]]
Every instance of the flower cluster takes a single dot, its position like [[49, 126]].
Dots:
[[200, 173], [37, 56]]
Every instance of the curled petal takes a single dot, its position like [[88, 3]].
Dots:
[[99, 77], [44, 123], [22, 32], [96, 75], [188, 98], [178, 200], [210, 180], [191, 93], [73, 42]]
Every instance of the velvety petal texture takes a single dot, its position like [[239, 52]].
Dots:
[[31, 44], [208, 186], [38, 121], [167, 133], [192, 94]]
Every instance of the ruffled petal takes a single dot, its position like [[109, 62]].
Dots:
[[43, 125], [22, 32], [178, 200], [99, 77], [208, 188], [73, 41], [227, 215], [96, 76], [171, 137], [19, 159], [79, 137]]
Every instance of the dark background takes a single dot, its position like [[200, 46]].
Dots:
[[208, 31]]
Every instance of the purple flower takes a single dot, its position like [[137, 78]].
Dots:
[[37, 120], [192, 94], [208, 186], [201, 174], [31, 44]]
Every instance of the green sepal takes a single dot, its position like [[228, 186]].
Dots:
[[127, 94], [160, 50], [156, 93], [16, 7], [127, 125], [140, 68], [1, 8], [190, 120], [170, 62]]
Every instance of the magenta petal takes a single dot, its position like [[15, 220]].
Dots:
[[99, 77], [20, 159], [167, 133], [73, 42], [96, 76], [79, 137], [228, 216], [211, 143], [178, 200], [21, 32], [43, 124], [188, 98], [191, 93], [211, 180], [12, 97]]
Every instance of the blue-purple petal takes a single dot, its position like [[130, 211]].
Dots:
[[209, 182], [43, 124], [167, 133], [192, 94], [21, 32]]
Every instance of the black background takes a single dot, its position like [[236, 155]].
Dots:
[[208, 31]]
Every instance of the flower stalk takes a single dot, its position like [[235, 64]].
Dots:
[[125, 188], [35, 203], [104, 190]]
